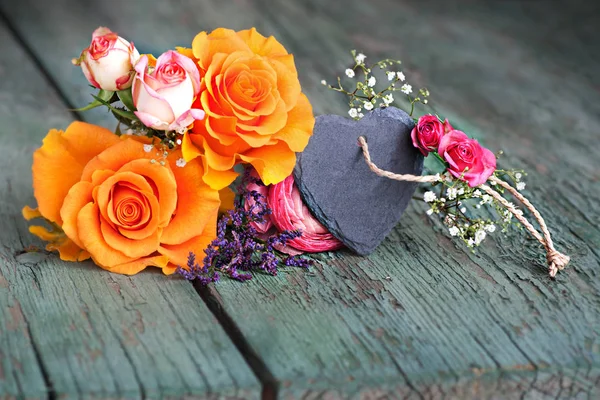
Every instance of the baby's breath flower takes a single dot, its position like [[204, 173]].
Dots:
[[180, 162], [406, 89], [179, 141], [360, 58], [372, 81], [429, 212], [388, 99], [479, 236], [518, 176], [454, 231], [429, 196], [400, 76], [477, 193], [368, 105], [490, 228], [353, 112], [324, 82], [425, 101], [391, 75], [463, 210], [360, 115], [350, 73], [148, 148], [521, 186], [451, 193]]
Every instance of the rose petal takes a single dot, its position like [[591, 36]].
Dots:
[[135, 266], [130, 248], [273, 163], [192, 215], [90, 234], [178, 253], [59, 163], [79, 195], [299, 127]]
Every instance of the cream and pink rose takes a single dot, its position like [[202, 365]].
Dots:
[[163, 94], [466, 158], [108, 61]]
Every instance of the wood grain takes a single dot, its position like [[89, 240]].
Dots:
[[422, 317], [73, 330]]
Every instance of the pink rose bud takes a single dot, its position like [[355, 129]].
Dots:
[[427, 133], [290, 213], [163, 95], [467, 159], [108, 62]]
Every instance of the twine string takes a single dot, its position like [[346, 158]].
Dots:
[[556, 260]]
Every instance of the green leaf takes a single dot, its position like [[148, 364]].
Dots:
[[126, 98], [117, 111], [105, 95]]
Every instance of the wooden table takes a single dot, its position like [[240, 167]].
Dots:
[[422, 317]]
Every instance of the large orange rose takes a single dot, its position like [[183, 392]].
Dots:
[[255, 111], [106, 199]]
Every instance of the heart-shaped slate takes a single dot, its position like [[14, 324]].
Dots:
[[357, 206]]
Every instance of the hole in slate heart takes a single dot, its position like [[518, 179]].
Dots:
[[357, 206]]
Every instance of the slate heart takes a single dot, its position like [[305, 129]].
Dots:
[[357, 206]]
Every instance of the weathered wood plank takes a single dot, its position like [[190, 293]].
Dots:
[[20, 373], [95, 334], [422, 317]]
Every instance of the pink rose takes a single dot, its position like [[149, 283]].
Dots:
[[428, 132], [163, 95], [468, 160], [290, 213], [108, 62]]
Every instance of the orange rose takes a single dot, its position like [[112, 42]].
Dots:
[[106, 199], [255, 111]]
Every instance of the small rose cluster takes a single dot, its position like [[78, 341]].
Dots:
[[157, 94], [469, 165], [241, 246], [466, 158]]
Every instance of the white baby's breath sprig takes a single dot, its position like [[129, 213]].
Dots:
[[365, 95], [468, 213]]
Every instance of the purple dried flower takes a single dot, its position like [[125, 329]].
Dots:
[[238, 246]]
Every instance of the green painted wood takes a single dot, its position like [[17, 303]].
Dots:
[[91, 333], [422, 317]]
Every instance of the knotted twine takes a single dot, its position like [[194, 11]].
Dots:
[[556, 261]]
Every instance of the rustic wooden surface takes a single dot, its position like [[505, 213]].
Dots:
[[422, 317]]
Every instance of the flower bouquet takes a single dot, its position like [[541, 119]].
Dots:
[[229, 112]]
